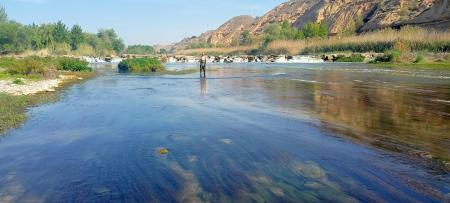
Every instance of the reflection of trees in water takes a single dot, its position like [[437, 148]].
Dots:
[[393, 116]]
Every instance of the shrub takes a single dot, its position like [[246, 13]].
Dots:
[[18, 82], [84, 50], [389, 57], [394, 56], [352, 58], [62, 49], [6, 62], [311, 30], [29, 66], [282, 31], [419, 58], [71, 64], [140, 49], [141, 65]]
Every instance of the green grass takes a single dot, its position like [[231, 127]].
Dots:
[[13, 109], [39, 67], [423, 65], [7, 76], [353, 58]]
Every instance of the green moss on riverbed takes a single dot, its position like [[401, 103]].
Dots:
[[13, 109]]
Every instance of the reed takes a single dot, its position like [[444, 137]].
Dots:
[[416, 39]]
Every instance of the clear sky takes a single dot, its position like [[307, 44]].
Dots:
[[138, 21]]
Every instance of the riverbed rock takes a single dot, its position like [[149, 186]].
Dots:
[[163, 151]]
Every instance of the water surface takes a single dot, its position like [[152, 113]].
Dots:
[[248, 133]]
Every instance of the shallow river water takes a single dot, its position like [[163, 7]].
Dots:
[[248, 133]]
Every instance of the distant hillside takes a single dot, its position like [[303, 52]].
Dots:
[[223, 36], [339, 15]]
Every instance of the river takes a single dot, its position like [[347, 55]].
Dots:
[[248, 133]]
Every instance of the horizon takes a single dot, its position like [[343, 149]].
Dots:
[[141, 26]]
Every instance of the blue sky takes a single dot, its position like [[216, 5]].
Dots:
[[138, 21]]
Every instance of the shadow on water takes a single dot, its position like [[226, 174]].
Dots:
[[281, 133]]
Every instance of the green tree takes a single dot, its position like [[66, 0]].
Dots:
[[163, 51], [311, 30], [45, 32], [3, 15], [140, 49], [76, 37], [60, 33], [13, 38], [34, 36], [118, 45], [109, 41], [283, 31], [246, 38]]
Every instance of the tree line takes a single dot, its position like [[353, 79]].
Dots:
[[57, 38], [272, 32], [285, 31]]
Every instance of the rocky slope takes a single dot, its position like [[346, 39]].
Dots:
[[223, 36], [339, 15]]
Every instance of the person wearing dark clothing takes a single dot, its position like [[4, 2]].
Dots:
[[203, 60]]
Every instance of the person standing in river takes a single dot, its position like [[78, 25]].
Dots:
[[203, 60]]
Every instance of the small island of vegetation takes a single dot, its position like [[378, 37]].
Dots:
[[141, 65]]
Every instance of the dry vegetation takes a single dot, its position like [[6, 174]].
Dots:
[[415, 39], [408, 38], [218, 50]]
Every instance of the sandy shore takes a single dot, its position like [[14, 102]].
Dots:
[[32, 87]]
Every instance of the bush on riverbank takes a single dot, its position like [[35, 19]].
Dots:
[[13, 108], [352, 58], [42, 67], [71, 64], [141, 65]]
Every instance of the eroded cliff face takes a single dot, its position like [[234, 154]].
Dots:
[[290, 11], [340, 16], [230, 31], [363, 15], [437, 16], [223, 36], [389, 13]]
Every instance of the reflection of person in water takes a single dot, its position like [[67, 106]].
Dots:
[[203, 60], [204, 86]]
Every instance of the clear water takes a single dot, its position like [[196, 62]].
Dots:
[[249, 133]]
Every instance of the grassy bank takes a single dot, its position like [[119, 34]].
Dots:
[[13, 107], [40, 68], [415, 39], [13, 111], [425, 65]]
